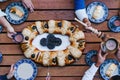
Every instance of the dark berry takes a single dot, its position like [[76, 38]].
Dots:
[[72, 28], [34, 27], [50, 46], [43, 42], [50, 38], [60, 24], [46, 25], [70, 57], [26, 38], [54, 60], [57, 42], [33, 56]]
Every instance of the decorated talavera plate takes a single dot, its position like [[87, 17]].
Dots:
[[91, 8], [114, 24], [105, 66], [25, 69], [12, 17], [89, 55]]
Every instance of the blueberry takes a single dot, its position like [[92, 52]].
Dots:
[[50, 46], [70, 57], [60, 24], [54, 60], [46, 25], [57, 42], [33, 56], [50, 38], [43, 42], [72, 28], [26, 38], [34, 27]]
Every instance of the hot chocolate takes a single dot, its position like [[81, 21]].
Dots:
[[117, 22], [110, 45]]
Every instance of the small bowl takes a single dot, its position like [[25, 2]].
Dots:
[[114, 24], [1, 57], [18, 38]]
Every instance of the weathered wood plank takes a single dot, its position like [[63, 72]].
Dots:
[[89, 37], [64, 78], [60, 15], [11, 59], [102, 27], [62, 4], [56, 71], [67, 78]]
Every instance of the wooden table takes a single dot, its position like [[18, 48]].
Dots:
[[58, 10]]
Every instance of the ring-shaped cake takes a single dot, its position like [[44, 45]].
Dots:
[[53, 43]]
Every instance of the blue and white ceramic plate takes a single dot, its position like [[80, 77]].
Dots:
[[13, 18], [105, 66], [89, 55], [25, 69], [111, 24], [90, 9]]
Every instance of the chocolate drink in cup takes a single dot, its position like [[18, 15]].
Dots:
[[110, 45], [117, 23], [18, 37]]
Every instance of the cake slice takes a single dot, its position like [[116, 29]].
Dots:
[[97, 12], [111, 70], [16, 11]]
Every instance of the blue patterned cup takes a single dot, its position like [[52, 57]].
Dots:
[[111, 45], [18, 38]]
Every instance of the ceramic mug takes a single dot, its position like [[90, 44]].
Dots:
[[110, 45], [18, 38]]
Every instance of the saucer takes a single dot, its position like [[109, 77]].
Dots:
[[12, 18], [90, 9], [25, 69], [104, 66], [112, 25], [89, 55]]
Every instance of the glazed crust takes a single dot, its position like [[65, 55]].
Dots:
[[53, 58]]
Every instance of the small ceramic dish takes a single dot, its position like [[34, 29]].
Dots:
[[18, 38], [12, 17], [114, 24], [105, 66], [91, 8], [89, 56]]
